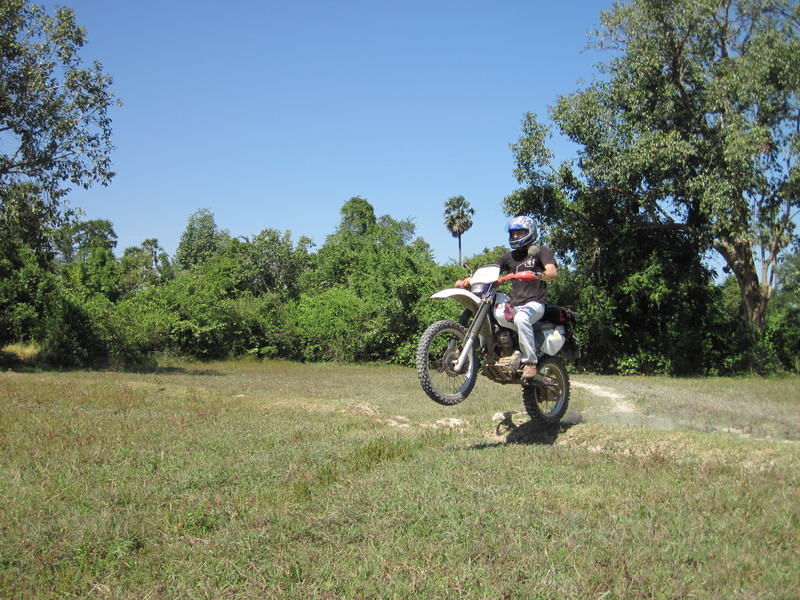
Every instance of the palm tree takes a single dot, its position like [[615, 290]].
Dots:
[[458, 218]]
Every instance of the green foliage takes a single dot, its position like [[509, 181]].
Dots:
[[99, 273], [357, 217], [732, 344], [365, 296], [67, 335], [458, 218], [53, 109], [783, 318], [787, 286], [486, 257], [690, 128], [783, 334], [87, 251], [336, 325], [73, 326], [24, 293], [687, 143], [201, 240], [35, 308], [22, 214], [201, 314], [144, 266], [74, 241], [372, 281], [269, 262]]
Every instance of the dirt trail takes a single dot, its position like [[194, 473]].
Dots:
[[598, 433], [618, 408], [619, 403], [611, 407]]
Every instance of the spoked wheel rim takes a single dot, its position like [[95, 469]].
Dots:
[[551, 398], [547, 404], [437, 355], [443, 355]]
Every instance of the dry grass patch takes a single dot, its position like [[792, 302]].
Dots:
[[22, 352]]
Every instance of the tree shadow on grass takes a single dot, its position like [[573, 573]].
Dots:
[[11, 362], [184, 371]]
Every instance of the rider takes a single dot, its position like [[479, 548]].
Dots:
[[528, 297]]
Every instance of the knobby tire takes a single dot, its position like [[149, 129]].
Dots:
[[438, 349], [547, 405]]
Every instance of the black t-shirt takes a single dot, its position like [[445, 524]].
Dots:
[[527, 259]]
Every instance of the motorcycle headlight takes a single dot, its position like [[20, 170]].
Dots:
[[478, 288]]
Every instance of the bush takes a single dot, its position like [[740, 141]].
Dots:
[[334, 325], [36, 309]]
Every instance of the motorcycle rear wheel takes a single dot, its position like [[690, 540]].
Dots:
[[437, 352], [546, 405]]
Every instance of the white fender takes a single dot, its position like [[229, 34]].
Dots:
[[464, 297], [468, 300]]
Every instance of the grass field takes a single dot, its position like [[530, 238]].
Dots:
[[280, 480]]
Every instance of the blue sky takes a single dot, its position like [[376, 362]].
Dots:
[[273, 114]]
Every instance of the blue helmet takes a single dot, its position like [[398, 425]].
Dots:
[[523, 223]]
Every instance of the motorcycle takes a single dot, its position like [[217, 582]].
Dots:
[[450, 354]]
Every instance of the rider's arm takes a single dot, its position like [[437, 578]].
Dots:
[[503, 264], [550, 273]]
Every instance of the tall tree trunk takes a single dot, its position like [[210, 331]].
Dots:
[[739, 258]]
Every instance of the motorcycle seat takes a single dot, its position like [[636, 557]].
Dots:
[[559, 315]]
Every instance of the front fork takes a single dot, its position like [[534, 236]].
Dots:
[[472, 334]]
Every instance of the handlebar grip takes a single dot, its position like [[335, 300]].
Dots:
[[522, 275]]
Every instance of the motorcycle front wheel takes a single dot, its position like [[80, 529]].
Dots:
[[437, 354], [546, 405]]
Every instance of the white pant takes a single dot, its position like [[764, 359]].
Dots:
[[525, 317]]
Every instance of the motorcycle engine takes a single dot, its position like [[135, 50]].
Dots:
[[505, 343]]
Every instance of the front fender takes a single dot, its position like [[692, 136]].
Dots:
[[463, 297], [470, 301]]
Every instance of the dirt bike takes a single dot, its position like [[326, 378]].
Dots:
[[448, 353]]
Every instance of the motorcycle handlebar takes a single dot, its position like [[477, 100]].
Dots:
[[522, 275]]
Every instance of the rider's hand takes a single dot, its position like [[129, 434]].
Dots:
[[464, 283], [521, 275]]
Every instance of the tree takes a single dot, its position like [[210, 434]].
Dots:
[[144, 266], [200, 240], [458, 218], [21, 215], [788, 279], [269, 262], [92, 266], [692, 128], [783, 317], [75, 241], [359, 299], [54, 120], [358, 216]]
